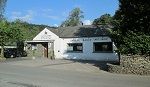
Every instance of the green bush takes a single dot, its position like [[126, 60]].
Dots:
[[134, 43]]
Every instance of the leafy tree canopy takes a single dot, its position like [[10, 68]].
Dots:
[[74, 18], [134, 15], [8, 34], [103, 20], [132, 28]]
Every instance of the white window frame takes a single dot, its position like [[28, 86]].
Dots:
[[74, 47]]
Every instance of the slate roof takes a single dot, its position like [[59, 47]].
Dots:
[[82, 31]]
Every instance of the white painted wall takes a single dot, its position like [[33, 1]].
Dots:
[[60, 47], [45, 35], [87, 54]]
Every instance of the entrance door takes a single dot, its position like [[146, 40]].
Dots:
[[45, 45]]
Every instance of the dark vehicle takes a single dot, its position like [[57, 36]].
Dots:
[[10, 52], [21, 53], [13, 52]]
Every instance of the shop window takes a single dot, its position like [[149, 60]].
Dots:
[[75, 47], [102, 47]]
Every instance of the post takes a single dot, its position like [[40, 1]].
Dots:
[[2, 58]]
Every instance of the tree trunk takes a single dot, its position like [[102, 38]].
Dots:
[[2, 52]]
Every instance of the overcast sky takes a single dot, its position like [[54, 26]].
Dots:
[[53, 12]]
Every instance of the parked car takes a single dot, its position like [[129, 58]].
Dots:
[[13, 52], [10, 52], [21, 53]]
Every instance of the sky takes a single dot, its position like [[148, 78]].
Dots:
[[54, 12]]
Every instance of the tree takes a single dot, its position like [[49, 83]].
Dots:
[[132, 29], [8, 33], [2, 5], [134, 16], [103, 20], [29, 31], [74, 18]]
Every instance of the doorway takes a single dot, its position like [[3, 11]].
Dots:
[[45, 47], [41, 49]]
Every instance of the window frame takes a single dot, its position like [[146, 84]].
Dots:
[[101, 51], [75, 51]]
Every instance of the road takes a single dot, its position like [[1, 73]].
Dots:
[[25, 76]]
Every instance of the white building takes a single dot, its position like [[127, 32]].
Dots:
[[80, 42]]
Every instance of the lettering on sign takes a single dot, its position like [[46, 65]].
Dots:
[[90, 39], [75, 40], [86, 39], [102, 38]]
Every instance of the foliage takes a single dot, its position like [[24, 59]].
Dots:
[[2, 5], [103, 20], [134, 16], [29, 30], [74, 18], [16, 32], [135, 44], [8, 34], [132, 27]]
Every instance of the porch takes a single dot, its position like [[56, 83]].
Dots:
[[40, 48]]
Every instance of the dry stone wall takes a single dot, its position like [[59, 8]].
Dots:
[[136, 64]]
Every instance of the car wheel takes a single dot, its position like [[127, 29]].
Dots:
[[12, 56]]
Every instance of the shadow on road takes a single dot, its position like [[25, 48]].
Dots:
[[15, 59], [102, 65]]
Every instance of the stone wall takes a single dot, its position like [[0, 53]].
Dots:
[[37, 53], [136, 64]]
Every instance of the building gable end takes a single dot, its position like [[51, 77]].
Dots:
[[45, 35]]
